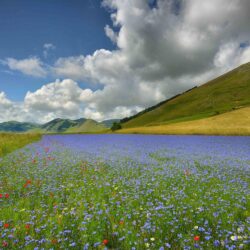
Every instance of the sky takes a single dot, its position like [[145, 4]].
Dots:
[[112, 58]]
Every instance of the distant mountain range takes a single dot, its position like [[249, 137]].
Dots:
[[58, 125]]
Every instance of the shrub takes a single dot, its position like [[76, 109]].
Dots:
[[116, 126]]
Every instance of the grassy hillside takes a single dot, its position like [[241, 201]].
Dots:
[[236, 122], [10, 142], [59, 125], [13, 126], [226, 93], [88, 126]]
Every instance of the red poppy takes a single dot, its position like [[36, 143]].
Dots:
[[6, 225], [54, 241], [7, 196], [196, 237], [28, 181], [121, 222], [5, 243], [105, 241], [1, 196], [27, 226]]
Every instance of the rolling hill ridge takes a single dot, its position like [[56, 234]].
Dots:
[[14, 126], [58, 125], [225, 93], [236, 122]]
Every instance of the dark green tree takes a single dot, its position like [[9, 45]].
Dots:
[[116, 126]]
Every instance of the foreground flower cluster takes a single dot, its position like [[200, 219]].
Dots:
[[126, 192]]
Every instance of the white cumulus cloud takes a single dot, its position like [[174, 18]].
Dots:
[[162, 50], [32, 66], [58, 99]]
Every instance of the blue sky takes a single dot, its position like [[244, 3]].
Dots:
[[105, 59], [73, 26]]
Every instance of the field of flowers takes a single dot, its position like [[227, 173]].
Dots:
[[126, 192]]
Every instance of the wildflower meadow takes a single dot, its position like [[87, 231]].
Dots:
[[126, 192]]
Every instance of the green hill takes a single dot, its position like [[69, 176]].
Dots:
[[13, 126], [81, 125], [228, 92], [59, 125], [87, 126], [236, 122]]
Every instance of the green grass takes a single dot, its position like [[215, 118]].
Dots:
[[223, 94], [10, 142]]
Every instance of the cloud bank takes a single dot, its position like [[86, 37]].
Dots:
[[162, 49]]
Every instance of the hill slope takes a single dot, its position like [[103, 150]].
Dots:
[[223, 94], [236, 122], [73, 126], [13, 126], [87, 126], [58, 125]]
